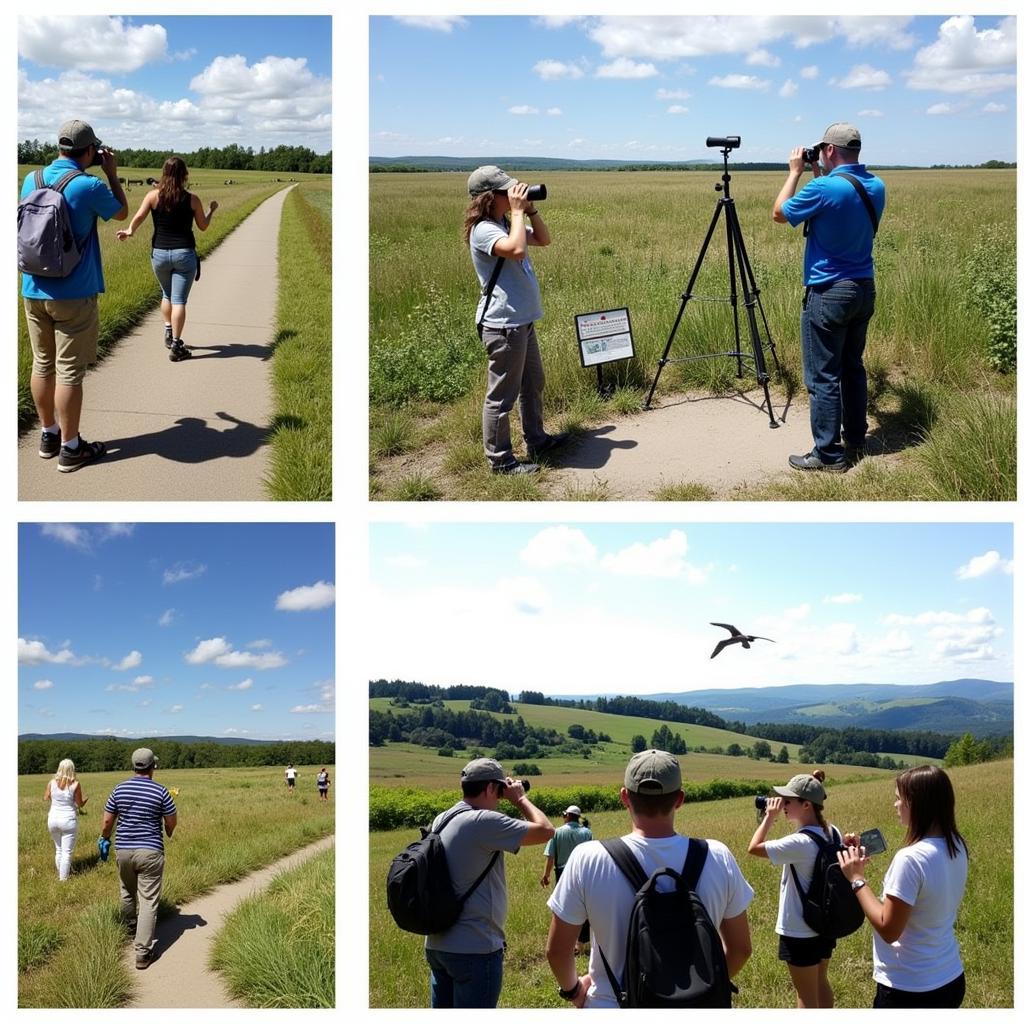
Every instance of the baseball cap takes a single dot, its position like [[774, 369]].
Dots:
[[144, 758], [803, 787], [572, 809], [77, 134], [483, 769], [842, 134], [489, 179], [653, 771]]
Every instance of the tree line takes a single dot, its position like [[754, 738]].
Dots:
[[37, 757], [227, 158]]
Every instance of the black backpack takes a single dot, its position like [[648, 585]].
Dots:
[[830, 905], [421, 897], [674, 955]]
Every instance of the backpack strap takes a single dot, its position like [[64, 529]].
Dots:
[[488, 292], [696, 855], [863, 193], [37, 179], [822, 843], [64, 180], [490, 864]]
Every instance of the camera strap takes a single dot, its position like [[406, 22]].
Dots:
[[487, 295], [863, 193]]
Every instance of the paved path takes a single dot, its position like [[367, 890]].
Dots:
[[189, 431], [180, 977]]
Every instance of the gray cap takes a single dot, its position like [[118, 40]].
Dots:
[[77, 134], [483, 769], [489, 179], [653, 771], [842, 134], [803, 787], [144, 758]]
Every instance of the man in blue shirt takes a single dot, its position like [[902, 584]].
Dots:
[[142, 809], [839, 299], [63, 312]]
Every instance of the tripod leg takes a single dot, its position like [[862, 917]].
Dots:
[[731, 224], [756, 292], [685, 299]]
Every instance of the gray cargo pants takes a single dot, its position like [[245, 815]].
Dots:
[[142, 876]]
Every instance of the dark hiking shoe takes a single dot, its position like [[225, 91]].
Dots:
[[168, 337], [86, 452], [142, 962], [516, 469], [179, 352], [49, 445], [855, 453], [550, 443], [812, 462]]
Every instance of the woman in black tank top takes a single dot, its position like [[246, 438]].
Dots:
[[174, 258]]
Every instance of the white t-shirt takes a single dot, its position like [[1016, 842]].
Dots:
[[801, 851], [290, 773], [593, 889], [926, 956]]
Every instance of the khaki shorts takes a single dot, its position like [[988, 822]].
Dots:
[[63, 334]]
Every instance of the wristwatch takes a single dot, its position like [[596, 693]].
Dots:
[[859, 884], [570, 993]]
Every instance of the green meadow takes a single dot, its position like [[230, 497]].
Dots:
[[940, 354], [231, 821], [399, 975]]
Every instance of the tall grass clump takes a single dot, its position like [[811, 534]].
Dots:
[[991, 270], [300, 454], [276, 950]]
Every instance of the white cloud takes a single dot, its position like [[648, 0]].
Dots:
[[255, 707], [789, 89], [553, 70], [67, 533], [976, 617], [763, 59], [945, 108], [623, 67], [245, 684], [306, 599], [433, 22], [966, 60], [811, 71], [90, 43], [175, 708], [554, 111], [557, 20], [143, 680], [896, 642], [983, 565], [672, 94], [167, 617], [663, 557], [739, 82], [111, 530], [245, 659], [182, 571], [35, 652], [42, 684], [558, 546], [208, 650], [259, 645], [676, 108], [864, 76], [870, 112], [131, 660], [310, 709], [523, 108], [843, 599], [523, 594], [994, 108]]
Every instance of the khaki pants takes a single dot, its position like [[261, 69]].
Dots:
[[142, 876]]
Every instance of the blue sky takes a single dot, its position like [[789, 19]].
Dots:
[[214, 629], [923, 90], [178, 82], [600, 608]]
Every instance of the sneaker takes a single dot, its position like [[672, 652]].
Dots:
[[142, 962], [168, 337], [811, 461], [86, 452], [179, 351], [516, 469], [549, 443], [49, 445]]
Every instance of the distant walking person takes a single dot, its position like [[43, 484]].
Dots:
[[142, 811], [322, 782], [62, 313], [65, 796], [566, 838], [495, 231], [917, 957], [290, 775], [174, 258]]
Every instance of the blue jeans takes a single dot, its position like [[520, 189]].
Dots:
[[465, 980], [833, 332], [175, 269]]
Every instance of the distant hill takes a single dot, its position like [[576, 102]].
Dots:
[[225, 740]]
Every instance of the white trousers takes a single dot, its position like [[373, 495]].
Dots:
[[63, 833]]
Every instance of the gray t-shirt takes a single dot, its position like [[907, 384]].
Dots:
[[516, 298], [469, 841]]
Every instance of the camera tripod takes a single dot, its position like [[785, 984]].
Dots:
[[738, 259]]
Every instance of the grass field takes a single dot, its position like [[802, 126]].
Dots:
[[230, 822], [131, 288], [300, 456], [631, 239], [277, 949], [399, 976]]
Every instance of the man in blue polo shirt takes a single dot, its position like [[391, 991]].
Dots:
[[63, 312], [141, 809], [839, 278]]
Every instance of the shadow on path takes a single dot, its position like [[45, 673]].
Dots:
[[592, 451], [234, 350], [171, 928], [190, 440]]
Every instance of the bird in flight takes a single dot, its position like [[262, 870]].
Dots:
[[736, 638]]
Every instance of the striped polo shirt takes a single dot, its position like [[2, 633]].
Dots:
[[140, 805]]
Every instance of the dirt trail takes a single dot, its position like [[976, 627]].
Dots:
[[181, 977]]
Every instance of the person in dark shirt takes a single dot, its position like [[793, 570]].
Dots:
[[175, 262]]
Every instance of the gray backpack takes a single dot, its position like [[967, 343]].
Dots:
[[46, 242]]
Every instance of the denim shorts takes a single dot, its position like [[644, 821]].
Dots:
[[175, 269]]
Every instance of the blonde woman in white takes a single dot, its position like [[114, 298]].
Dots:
[[64, 794]]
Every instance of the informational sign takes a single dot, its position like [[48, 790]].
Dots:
[[604, 337]]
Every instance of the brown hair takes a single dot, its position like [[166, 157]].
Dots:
[[928, 792], [653, 805], [818, 809], [172, 183], [480, 208]]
